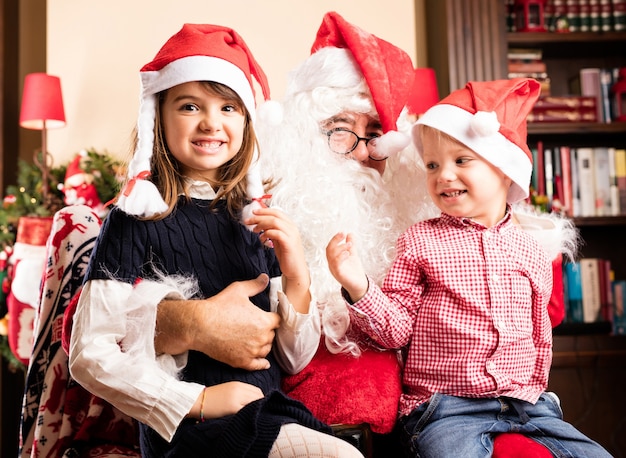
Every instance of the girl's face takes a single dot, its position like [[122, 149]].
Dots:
[[203, 131], [461, 183]]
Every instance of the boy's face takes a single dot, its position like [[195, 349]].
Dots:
[[460, 182]]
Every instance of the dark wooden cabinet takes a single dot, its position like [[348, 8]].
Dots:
[[468, 40]]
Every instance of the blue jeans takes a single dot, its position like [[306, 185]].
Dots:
[[449, 426]]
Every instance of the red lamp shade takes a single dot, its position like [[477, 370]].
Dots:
[[424, 93], [42, 102]]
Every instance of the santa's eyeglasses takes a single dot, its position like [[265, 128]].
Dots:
[[344, 141]]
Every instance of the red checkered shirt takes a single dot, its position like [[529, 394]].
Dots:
[[471, 304]]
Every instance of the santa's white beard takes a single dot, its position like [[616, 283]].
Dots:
[[325, 193]]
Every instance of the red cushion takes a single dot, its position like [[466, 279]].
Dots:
[[344, 389]]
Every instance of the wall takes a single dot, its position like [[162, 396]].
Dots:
[[97, 49]]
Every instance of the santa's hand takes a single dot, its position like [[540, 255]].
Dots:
[[345, 265]]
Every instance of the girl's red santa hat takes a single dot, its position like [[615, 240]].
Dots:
[[198, 52], [342, 56], [489, 117]]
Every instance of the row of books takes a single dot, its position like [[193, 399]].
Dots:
[[597, 82], [592, 294], [578, 15], [580, 182], [564, 109]]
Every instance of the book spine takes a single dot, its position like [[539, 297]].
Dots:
[[573, 15], [567, 196], [590, 282], [601, 181], [586, 184], [619, 307], [574, 292], [594, 15], [619, 15], [620, 177], [606, 15], [615, 198], [590, 86], [606, 81], [541, 177], [549, 175], [585, 15], [576, 210]]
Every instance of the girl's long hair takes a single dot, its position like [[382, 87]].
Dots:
[[232, 182]]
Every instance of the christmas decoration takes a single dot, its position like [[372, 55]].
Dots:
[[23, 210]]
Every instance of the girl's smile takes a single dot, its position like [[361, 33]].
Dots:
[[203, 131]]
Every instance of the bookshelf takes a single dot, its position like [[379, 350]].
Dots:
[[468, 40]]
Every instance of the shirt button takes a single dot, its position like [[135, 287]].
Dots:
[[501, 325], [495, 277], [491, 365]]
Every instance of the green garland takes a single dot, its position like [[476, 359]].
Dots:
[[26, 199]]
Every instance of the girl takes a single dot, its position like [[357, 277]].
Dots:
[[178, 217]]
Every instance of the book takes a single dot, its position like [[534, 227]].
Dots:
[[619, 307], [602, 181], [620, 178], [527, 54], [523, 66], [549, 175], [590, 86], [573, 156], [586, 181], [565, 101], [614, 190], [573, 292], [566, 196], [562, 115], [590, 283], [539, 167]]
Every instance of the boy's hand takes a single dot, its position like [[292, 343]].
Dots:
[[345, 265]]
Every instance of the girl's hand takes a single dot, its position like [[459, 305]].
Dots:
[[275, 228], [225, 399], [345, 265]]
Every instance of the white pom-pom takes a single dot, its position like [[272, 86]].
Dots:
[[485, 123], [247, 212], [270, 112], [143, 200], [390, 143]]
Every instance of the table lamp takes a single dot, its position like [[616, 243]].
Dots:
[[42, 109]]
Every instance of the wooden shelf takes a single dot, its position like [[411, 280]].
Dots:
[[600, 221], [534, 38]]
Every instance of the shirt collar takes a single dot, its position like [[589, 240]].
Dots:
[[200, 189], [468, 222]]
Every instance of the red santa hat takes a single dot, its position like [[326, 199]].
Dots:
[[74, 169], [490, 118], [198, 52], [354, 55]]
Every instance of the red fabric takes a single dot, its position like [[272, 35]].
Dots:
[[387, 69], [514, 445], [344, 389], [556, 306]]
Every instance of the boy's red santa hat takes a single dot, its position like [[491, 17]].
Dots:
[[344, 54], [489, 117], [198, 52]]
